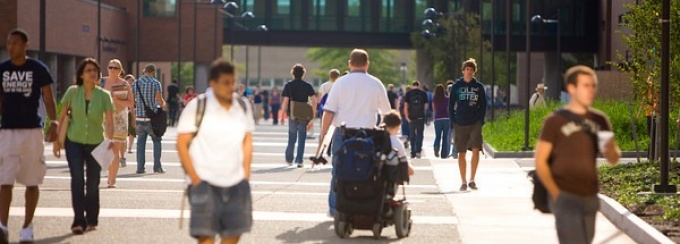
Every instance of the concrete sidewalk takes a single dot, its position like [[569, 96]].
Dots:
[[501, 211]]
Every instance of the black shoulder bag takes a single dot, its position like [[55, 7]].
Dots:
[[540, 194], [158, 117]]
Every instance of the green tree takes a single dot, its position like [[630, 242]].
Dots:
[[644, 43], [187, 78], [459, 41], [383, 64]]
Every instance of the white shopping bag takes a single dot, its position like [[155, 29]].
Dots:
[[103, 154]]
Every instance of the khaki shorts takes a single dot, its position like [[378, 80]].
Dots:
[[468, 136], [22, 157]]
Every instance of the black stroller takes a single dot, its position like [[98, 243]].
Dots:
[[365, 185]]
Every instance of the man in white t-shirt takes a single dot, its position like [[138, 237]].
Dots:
[[356, 100], [325, 88], [218, 160]]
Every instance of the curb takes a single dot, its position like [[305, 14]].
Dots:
[[530, 154], [629, 223]]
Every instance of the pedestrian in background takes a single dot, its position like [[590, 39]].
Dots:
[[131, 118], [91, 110], [569, 139], [173, 102], [442, 125], [275, 103], [467, 109], [218, 161], [301, 91], [123, 100], [148, 90], [189, 94], [415, 104], [25, 81]]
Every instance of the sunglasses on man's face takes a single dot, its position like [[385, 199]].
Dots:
[[114, 68]]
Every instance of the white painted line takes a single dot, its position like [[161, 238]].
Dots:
[[175, 214], [254, 165], [276, 183], [410, 197]]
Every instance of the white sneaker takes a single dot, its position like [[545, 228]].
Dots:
[[4, 234], [26, 234]]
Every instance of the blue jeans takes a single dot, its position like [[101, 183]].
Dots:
[[336, 142], [417, 127], [405, 129], [297, 131], [84, 201], [275, 113], [144, 129], [442, 139]]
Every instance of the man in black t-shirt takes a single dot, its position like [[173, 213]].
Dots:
[[392, 96], [24, 81], [297, 90], [415, 103], [173, 102]]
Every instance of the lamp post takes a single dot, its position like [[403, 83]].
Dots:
[[179, 42], [664, 186], [527, 71], [99, 31], [538, 19], [508, 31], [493, 61], [403, 73]]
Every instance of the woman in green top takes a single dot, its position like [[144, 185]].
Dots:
[[89, 105]]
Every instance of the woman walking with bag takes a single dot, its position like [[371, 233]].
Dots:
[[121, 92], [87, 107]]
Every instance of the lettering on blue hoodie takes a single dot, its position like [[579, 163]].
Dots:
[[467, 104]]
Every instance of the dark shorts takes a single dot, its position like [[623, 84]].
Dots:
[[223, 211], [468, 136]]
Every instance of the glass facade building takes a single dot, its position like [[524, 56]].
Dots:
[[390, 23]]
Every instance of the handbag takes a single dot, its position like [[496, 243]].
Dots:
[[301, 111], [158, 118]]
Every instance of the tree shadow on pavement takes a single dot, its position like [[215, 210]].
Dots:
[[324, 233], [55, 239]]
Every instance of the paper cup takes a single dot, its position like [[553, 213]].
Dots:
[[603, 137]]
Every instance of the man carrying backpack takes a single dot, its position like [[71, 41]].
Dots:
[[570, 139], [215, 146], [415, 102]]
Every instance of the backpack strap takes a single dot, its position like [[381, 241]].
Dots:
[[241, 102], [200, 112]]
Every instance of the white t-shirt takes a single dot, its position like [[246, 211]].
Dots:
[[398, 146], [325, 88], [356, 99], [217, 149]]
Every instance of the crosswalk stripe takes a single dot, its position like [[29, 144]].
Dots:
[[277, 183], [255, 193], [174, 214], [254, 165]]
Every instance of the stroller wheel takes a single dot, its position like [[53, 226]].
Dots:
[[342, 228], [402, 220], [377, 230]]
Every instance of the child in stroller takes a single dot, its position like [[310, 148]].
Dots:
[[367, 185]]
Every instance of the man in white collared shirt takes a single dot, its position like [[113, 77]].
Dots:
[[355, 100], [218, 161]]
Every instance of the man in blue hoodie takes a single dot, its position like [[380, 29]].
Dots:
[[467, 109]]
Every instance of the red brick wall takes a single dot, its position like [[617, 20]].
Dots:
[[8, 19]]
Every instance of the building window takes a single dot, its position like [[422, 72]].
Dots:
[[353, 8], [283, 6], [159, 8]]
